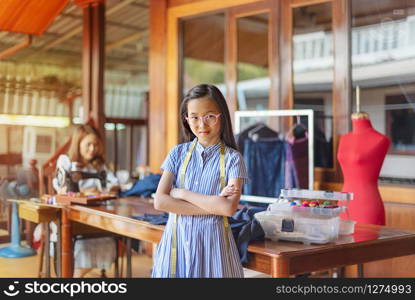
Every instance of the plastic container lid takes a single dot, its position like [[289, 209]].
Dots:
[[309, 194], [286, 209]]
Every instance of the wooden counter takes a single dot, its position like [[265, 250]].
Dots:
[[279, 259], [399, 202]]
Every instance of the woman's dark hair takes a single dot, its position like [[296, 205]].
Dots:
[[211, 92]]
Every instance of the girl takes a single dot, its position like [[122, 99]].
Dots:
[[87, 150], [197, 241]]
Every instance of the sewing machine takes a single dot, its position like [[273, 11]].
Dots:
[[69, 174]]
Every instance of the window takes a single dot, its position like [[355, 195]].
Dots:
[[400, 123], [383, 56]]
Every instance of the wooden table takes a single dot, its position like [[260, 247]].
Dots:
[[368, 243], [279, 259], [42, 214]]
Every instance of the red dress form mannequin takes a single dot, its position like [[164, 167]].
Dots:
[[361, 154]]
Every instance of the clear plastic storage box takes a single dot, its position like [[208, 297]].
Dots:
[[319, 224]]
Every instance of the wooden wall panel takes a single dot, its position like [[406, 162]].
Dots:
[[93, 62], [172, 3], [205, 6], [341, 81], [297, 3], [286, 56], [397, 216], [274, 56], [231, 53], [389, 193], [157, 74], [173, 81]]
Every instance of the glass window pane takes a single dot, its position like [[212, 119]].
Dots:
[[383, 60], [203, 51], [138, 155], [252, 67], [313, 74]]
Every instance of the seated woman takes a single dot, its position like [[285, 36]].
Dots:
[[87, 150]]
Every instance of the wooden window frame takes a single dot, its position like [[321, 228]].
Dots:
[[174, 15], [166, 89], [341, 87], [231, 51]]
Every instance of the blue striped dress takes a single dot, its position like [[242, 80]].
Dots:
[[201, 248]]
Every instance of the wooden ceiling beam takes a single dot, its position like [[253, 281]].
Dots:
[[3, 34], [111, 23], [78, 29], [67, 55], [10, 51], [140, 5], [125, 40]]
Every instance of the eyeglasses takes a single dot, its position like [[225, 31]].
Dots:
[[209, 119]]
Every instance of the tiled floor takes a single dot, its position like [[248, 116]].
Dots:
[[28, 266], [141, 268]]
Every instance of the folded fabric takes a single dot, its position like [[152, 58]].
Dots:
[[144, 187], [155, 219], [246, 229]]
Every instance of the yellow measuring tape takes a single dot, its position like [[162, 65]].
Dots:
[[173, 254]]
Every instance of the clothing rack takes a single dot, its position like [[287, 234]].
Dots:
[[309, 113]]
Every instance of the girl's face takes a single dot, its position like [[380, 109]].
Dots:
[[204, 119], [89, 147]]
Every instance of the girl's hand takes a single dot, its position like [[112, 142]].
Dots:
[[176, 193], [229, 190]]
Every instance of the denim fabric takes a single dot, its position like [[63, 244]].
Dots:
[[144, 187], [245, 229], [155, 219], [265, 162]]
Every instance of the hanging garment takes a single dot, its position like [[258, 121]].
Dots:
[[299, 148], [291, 179], [270, 165], [297, 137], [265, 162], [259, 129], [322, 150]]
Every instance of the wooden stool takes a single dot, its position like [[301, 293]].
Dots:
[[92, 232]]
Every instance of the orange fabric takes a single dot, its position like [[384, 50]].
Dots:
[[29, 16]]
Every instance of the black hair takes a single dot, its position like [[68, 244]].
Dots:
[[211, 92]]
